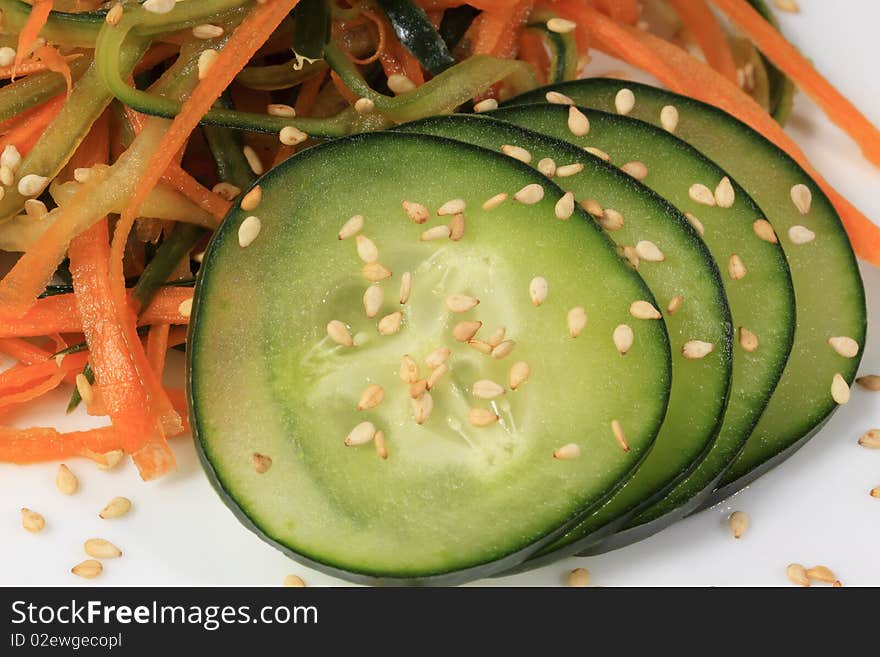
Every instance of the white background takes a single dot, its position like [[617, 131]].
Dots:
[[813, 509]]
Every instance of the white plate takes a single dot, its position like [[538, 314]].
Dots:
[[813, 509]]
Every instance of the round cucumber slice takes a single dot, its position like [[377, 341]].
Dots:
[[828, 287], [275, 393], [682, 269]]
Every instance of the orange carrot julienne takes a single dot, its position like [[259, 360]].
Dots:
[[499, 29], [54, 61], [622, 11], [32, 66], [40, 11], [533, 52], [699, 20], [25, 133], [157, 347], [39, 445]]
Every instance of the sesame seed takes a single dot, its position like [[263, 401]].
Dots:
[[417, 212], [351, 227], [556, 98], [251, 200], [637, 170], [456, 227], [739, 523], [376, 271], [291, 581], [207, 31], [696, 349], [371, 397], [7, 177], [800, 235], [115, 508], [481, 346], [422, 407], [261, 462], [517, 153], [565, 206], [619, 436], [747, 340], [538, 288], [871, 439], [736, 269], [701, 194], [338, 332], [623, 338], [674, 304], [437, 357], [629, 252], [390, 324], [869, 382], [35, 209], [519, 374], [497, 336], [7, 56], [764, 230], [576, 319], [361, 435], [409, 369], [791, 6], [530, 194], [821, 574], [486, 105], [464, 331], [598, 152], [725, 196], [185, 307], [405, 287], [695, 223], [560, 25], [253, 160], [797, 574], [567, 452], [649, 251], [669, 118], [875, 492], [461, 303], [503, 349], [373, 298], [611, 219], [624, 101], [248, 231], [291, 136], [593, 207], [11, 157], [495, 201], [224, 190], [643, 310], [455, 206], [32, 185], [437, 374], [379, 444], [839, 389], [114, 15], [159, 6], [481, 417], [400, 84], [364, 106], [844, 346], [578, 123], [578, 578], [90, 568], [547, 166], [366, 249], [84, 387], [802, 198], [440, 232], [567, 170], [206, 61]]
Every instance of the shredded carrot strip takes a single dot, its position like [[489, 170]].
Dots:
[[790, 61], [533, 52], [40, 11], [23, 351], [22, 376], [380, 34], [308, 94], [24, 134], [344, 91], [157, 347], [622, 11], [499, 28], [699, 20], [412, 68], [53, 61], [32, 66], [38, 445]]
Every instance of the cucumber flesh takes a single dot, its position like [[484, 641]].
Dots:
[[699, 386], [828, 288], [452, 501]]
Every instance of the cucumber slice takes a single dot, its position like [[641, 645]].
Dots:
[[672, 167], [699, 386], [828, 288], [452, 501]]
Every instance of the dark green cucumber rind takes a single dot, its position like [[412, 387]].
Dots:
[[825, 268], [642, 208], [782, 89], [308, 158], [727, 231], [563, 49], [415, 31], [311, 28]]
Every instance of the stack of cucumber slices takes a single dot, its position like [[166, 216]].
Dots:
[[480, 343]]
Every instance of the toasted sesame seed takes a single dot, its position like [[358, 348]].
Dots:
[[565, 206], [649, 251], [339, 333], [159, 6], [455, 206], [845, 346], [674, 304], [7, 178], [486, 105], [373, 299], [497, 336], [7, 56], [437, 357], [405, 287], [206, 61], [417, 212], [839, 389], [361, 434], [351, 227], [456, 227], [32, 185], [821, 574], [790, 6], [418, 388], [32, 521], [91, 568], [487, 389], [101, 548], [538, 288], [248, 231], [669, 118], [495, 201], [371, 397], [869, 382], [481, 417], [376, 271], [517, 153], [598, 152], [611, 219], [576, 319], [85, 390], [65, 481], [503, 349], [440, 232], [800, 235], [701, 194], [637, 170], [11, 157], [400, 84], [464, 331], [364, 106], [547, 166], [111, 459], [643, 310], [619, 436], [366, 249], [567, 452], [390, 324], [870, 439], [185, 307], [696, 349], [593, 207], [875, 492], [695, 223], [738, 522], [623, 338], [222, 189], [736, 269], [261, 462], [578, 578], [253, 160], [461, 303], [519, 374], [251, 200], [747, 340], [530, 194], [35, 208], [624, 101], [797, 574], [207, 31], [409, 369], [578, 123], [114, 15], [556, 98], [291, 136], [436, 374], [482, 346], [629, 252], [764, 230], [725, 196], [115, 508], [560, 25], [280, 110], [422, 407], [293, 581], [802, 198], [567, 170]]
